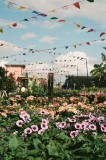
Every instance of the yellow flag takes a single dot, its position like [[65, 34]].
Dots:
[[1, 30], [74, 45], [22, 7], [53, 11], [78, 25]]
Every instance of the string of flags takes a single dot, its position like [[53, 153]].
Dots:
[[76, 4], [49, 50], [20, 7]]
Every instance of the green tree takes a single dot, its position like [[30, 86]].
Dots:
[[6, 83]]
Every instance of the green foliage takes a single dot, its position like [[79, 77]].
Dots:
[[6, 83]]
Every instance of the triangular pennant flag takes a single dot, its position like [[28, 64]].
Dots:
[[65, 7], [66, 47], [88, 43], [90, 0], [102, 33], [21, 8], [43, 15], [83, 27], [74, 45], [1, 30], [34, 17], [102, 39], [1, 44], [54, 18], [77, 5], [25, 20], [61, 20], [36, 12], [14, 24], [78, 25], [52, 11], [90, 30]]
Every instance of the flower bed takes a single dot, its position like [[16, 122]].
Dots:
[[70, 128]]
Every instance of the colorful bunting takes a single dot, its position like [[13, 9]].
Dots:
[[90, 30], [61, 20], [102, 33], [36, 12], [77, 5], [66, 47], [78, 25], [53, 11], [43, 15], [14, 24], [74, 45], [54, 18], [88, 43], [83, 27], [22, 8], [1, 30], [90, 0]]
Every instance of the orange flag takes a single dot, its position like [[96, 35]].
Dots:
[[77, 5], [14, 24]]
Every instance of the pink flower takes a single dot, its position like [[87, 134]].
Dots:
[[92, 127], [62, 125], [27, 131], [45, 121], [44, 126], [19, 123], [41, 131], [25, 117], [74, 134], [78, 126], [34, 128]]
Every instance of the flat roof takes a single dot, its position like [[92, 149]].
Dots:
[[15, 65]]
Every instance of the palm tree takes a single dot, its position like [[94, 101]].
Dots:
[[98, 71]]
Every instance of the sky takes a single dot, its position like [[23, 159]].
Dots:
[[47, 45]]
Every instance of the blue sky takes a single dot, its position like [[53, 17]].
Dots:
[[43, 33]]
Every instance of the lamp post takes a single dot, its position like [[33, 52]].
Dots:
[[86, 68]]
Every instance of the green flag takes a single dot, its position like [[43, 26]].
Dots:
[[90, 0]]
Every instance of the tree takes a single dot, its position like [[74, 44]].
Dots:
[[99, 70], [6, 83]]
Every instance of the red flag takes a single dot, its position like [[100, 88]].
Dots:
[[90, 30], [77, 5], [88, 43], [102, 33], [14, 24], [61, 20]]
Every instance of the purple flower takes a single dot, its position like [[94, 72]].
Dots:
[[19, 123], [62, 125], [77, 126], [103, 129], [27, 131], [25, 117], [45, 121], [84, 125], [74, 134], [44, 126], [92, 127], [100, 119], [34, 128], [41, 131]]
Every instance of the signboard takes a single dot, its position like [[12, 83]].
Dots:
[[50, 86]]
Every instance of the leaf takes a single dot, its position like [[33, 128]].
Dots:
[[13, 143], [52, 149]]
